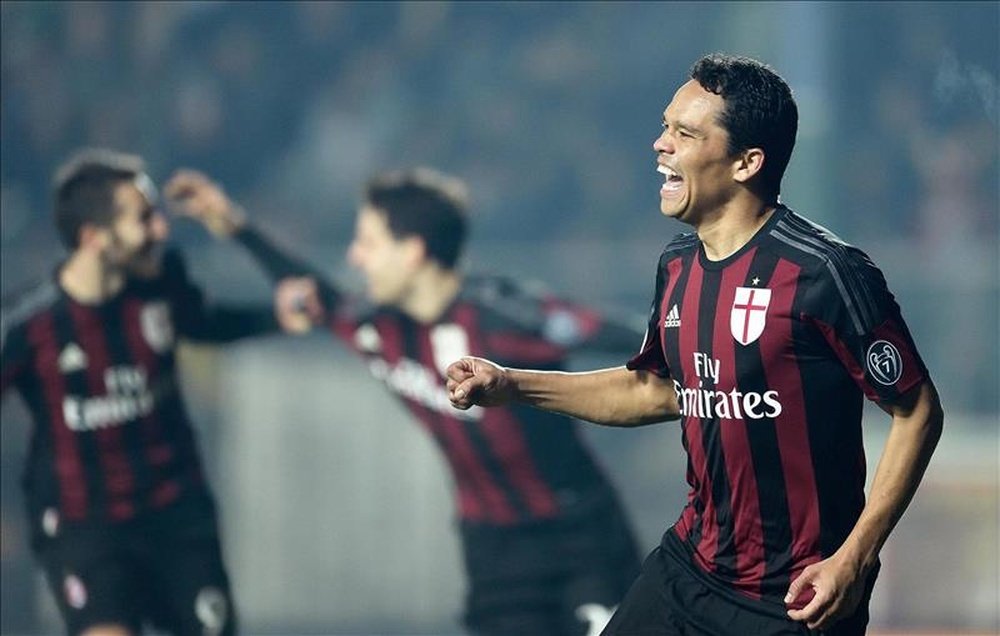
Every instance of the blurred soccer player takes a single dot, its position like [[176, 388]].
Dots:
[[122, 520], [548, 550], [765, 332]]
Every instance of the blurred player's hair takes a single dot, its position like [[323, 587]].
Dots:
[[759, 111], [84, 187], [425, 203]]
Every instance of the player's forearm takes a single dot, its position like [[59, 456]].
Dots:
[[223, 323], [280, 264], [277, 262], [908, 449], [613, 397]]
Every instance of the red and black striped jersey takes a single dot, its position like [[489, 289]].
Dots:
[[512, 464], [770, 352], [111, 436]]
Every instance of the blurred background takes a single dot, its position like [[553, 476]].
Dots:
[[336, 510]]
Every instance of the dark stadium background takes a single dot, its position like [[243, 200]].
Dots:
[[335, 508]]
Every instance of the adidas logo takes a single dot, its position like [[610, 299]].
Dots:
[[72, 358], [673, 318]]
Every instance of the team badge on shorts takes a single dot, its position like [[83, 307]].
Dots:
[[884, 362], [74, 591], [749, 312]]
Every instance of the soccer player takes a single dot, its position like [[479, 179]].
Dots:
[[547, 547], [122, 520], [765, 332]]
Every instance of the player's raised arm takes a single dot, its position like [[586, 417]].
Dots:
[[612, 397], [200, 319], [192, 194]]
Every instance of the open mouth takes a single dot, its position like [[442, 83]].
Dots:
[[672, 181]]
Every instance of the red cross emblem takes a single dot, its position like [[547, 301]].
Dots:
[[746, 320]]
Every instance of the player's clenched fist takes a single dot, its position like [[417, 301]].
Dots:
[[475, 381], [297, 304]]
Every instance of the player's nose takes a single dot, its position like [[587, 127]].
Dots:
[[663, 144]]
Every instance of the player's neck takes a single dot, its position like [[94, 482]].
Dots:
[[432, 293], [731, 227], [87, 280]]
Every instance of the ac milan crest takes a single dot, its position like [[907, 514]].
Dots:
[[749, 313]]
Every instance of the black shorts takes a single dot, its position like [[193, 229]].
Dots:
[[164, 569], [558, 578], [669, 600]]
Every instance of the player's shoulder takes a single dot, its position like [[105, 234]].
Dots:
[[680, 244], [505, 297], [26, 302], [811, 245], [840, 274]]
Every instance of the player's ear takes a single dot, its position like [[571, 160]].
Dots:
[[94, 237], [414, 250], [748, 164]]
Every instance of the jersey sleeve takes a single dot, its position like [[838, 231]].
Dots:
[[850, 304], [577, 327], [524, 324], [279, 263], [651, 357], [198, 319]]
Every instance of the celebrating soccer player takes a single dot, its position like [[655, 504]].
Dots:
[[766, 331], [547, 547], [122, 519]]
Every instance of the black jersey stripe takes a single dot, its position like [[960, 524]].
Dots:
[[762, 438], [711, 431]]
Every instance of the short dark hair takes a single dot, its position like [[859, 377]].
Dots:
[[84, 188], [425, 203], [759, 112]]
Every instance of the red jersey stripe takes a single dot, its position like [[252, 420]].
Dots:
[[68, 463]]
